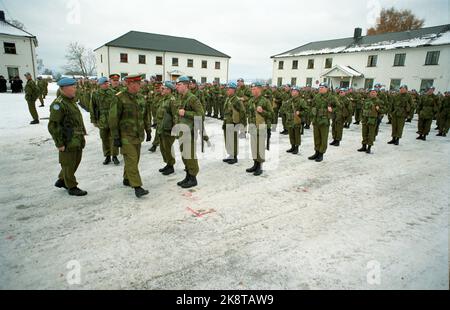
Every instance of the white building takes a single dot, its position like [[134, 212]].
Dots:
[[165, 57], [417, 58], [18, 51]]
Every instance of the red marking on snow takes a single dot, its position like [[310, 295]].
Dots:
[[9, 238], [190, 196], [200, 214]]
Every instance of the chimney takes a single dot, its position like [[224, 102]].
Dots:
[[2, 16], [358, 34]]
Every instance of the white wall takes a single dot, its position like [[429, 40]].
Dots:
[[24, 60], [150, 68], [411, 74]]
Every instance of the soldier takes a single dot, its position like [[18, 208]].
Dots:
[[67, 129], [129, 119], [321, 112], [347, 108], [166, 119], [234, 119], [41, 87], [337, 126], [370, 114], [294, 109], [244, 94], [190, 112], [444, 115], [285, 96], [277, 102], [260, 115], [114, 80], [427, 108], [357, 104], [102, 100], [401, 106], [31, 95], [154, 98]]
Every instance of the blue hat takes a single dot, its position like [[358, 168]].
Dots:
[[256, 84], [66, 82], [295, 88], [323, 85], [183, 79], [377, 85], [241, 80], [404, 86], [232, 85], [170, 85], [374, 89], [102, 80]]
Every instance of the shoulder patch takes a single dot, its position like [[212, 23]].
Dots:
[[56, 107]]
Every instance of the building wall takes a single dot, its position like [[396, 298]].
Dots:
[[24, 60], [151, 68], [411, 74]]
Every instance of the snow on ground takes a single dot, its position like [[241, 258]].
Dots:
[[302, 225]]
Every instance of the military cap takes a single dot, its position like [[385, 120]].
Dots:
[[241, 80], [27, 74], [193, 81], [133, 78], [431, 87], [377, 85], [323, 85], [295, 88], [404, 86], [183, 79], [170, 85], [256, 84], [232, 85], [66, 82], [102, 80], [115, 77], [374, 89]]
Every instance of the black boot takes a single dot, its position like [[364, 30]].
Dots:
[[419, 137], [314, 157], [439, 134], [424, 138], [153, 148], [258, 170], [338, 143], [295, 152], [291, 149], [356, 123], [284, 132], [191, 182], [233, 161], [408, 120], [126, 182], [392, 141], [363, 149], [77, 192], [253, 169], [115, 160], [333, 143], [307, 127], [140, 192], [60, 184], [168, 171], [230, 158], [319, 158], [397, 141], [184, 181], [163, 169], [107, 160], [369, 148], [389, 123]]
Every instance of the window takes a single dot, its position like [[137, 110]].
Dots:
[[399, 60], [123, 58], [122, 75], [280, 65], [432, 58], [368, 84], [310, 64], [217, 66], [309, 82], [328, 63], [10, 48], [142, 59], [293, 81], [203, 80], [217, 80], [395, 84], [425, 84], [101, 58], [158, 60], [372, 61], [280, 81], [175, 62], [204, 64], [190, 63], [294, 64]]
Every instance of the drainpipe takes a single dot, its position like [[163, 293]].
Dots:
[[109, 65], [164, 68], [32, 58]]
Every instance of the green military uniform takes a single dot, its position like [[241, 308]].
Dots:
[[357, 103], [370, 114], [31, 95], [347, 110], [244, 94], [321, 121], [337, 116], [261, 126], [101, 103], [400, 108], [129, 119], [277, 102], [166, 117], [427, 108], [294, 110], [235, 115], [67, 129], [42, 85], [444, 115]]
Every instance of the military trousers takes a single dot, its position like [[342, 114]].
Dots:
[[166, 148], [231, 138], [276, 115], [398, 123], [108, 143], [69, 162], [131, 156], [444, 123], [424, 125], [188, 150], [368, 133], [358, 115], [32, 109], [295, 135], [321, 133], [337, 129], [258, 142]]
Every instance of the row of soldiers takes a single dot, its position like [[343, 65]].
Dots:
[[33, 92], [126, 112]]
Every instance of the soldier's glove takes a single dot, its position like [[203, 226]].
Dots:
[[117, 142], [149, 136]]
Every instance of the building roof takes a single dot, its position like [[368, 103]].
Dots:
[[9, 29], [438, 35], [338, 71], [164, 43]]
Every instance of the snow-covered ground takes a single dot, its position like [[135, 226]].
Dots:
[[355, 221]]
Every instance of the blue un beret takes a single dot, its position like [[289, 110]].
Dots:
[[169, 85], [66, 82], [232, 85], [102, 80], [183, 79]]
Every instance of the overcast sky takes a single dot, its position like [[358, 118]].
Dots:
[[249, 31]]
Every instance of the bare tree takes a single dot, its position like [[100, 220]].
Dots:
[[80, 60], [391, 20]]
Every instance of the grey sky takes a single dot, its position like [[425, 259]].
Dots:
[[249, 31]]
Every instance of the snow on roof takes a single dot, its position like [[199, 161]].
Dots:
[[7, 28]]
